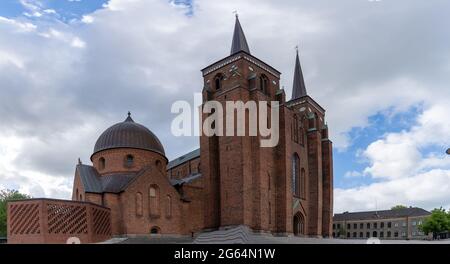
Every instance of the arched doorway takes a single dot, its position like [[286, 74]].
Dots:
[[299, 224], [155, 230]]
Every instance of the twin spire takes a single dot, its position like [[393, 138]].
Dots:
[[239, 44], [298, 88]]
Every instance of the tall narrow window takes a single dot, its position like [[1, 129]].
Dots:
[[158, 164], [101, 163], [129, 159], [263, 84], [168, 206], [295, 129], [295, 174], [218, 81], [316, 121], [302, 184], [154, 200], [139, 204], [302, 135]]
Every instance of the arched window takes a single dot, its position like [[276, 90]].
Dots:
[[101, 163], [302, 134], [374, 234], [139, 204], [81, 197], [295, 129], [155, 230], [303, 184], [76, 194], [168, 206], [263, 83], [129, 161], [154, 200], [295, 174], [199, 168], [316, 121], [158, 164], [218, 81]]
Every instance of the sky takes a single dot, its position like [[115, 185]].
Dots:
[[69, 69]]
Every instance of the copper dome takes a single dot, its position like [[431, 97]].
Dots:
[[128, 134]]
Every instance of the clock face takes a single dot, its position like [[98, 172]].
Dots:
[[302, 109]]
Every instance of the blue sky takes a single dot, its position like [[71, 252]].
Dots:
[[68, 9], [387, 116]]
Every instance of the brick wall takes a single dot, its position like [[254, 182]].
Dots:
[[115, 160], [54, 221]]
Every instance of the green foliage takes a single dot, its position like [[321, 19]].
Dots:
[[343, 232], [5, 196], [399, 206], [437, 222]]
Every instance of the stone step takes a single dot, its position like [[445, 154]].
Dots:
[[235, 235]]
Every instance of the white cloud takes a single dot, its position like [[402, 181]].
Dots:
[[20, 26], [32, 5], [352, 174], [49, 11], [78, 43], [143, 55], [87, 19], [399, 155], [406, 172], [74, 41], [427, 190], [10, 58]]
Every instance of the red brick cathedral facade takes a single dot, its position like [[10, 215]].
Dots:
[[229, 181]]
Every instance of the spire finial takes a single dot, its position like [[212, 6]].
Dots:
[[129, 119], [298, 89], [239, 42], [79, 161], [235, 12]]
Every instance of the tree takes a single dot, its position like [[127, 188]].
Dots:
[[437, 222], [399, 206], [5, 196], [342, 232]]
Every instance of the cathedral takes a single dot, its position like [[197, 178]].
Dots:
[[230, 180]]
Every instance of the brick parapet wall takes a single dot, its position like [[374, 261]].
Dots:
[[54, 221]]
